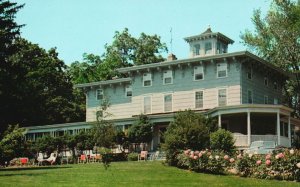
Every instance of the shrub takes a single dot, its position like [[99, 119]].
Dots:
[[132, 156], [222, 140], [189, 130]]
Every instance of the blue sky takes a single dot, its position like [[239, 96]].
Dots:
[[76, 26]]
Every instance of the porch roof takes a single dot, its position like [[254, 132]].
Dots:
[[259, 108]]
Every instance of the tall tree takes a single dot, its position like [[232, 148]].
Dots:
[[9, 32], [277, 39]]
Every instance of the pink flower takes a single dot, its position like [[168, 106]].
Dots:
[[192, 156], [200, 155], [268, 157], [231, 160], [196, 152], [258, 162], [186, 152], [281, 155], [268, 162], [239, 156], [195, 157], [226, 157]]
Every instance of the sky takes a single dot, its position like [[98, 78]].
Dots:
[[75, 27]]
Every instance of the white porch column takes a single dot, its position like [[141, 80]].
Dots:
[[289, 131], [278, 128], [248, 128], [219, 121]]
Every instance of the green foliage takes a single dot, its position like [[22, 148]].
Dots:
[[141, 130], [132, 156], [189, 130], [12, 144], [222, 140], [276, 39], [106, 157]]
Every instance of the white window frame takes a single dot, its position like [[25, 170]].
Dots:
[[128, 89], [167, 74], [206, 51], [195, 97], [251, 91], [144, 105], [266, 99], [147, 77], [198, 70], [197, 52], [99, 92], [266, 81], [226, 96], [169, 94], [222, 66]]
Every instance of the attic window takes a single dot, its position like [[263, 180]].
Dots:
[[208, 48], [197, 49]]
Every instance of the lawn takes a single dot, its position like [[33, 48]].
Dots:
[[122, 174]]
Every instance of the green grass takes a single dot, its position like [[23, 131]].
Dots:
[[123, 174]]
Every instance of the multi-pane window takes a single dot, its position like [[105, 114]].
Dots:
[[208, 48], [147, 79], [147, 104], [222, 97], [197, 49], [198, 73], [249, 72], [168, 77], [199, 99], [168, 102], [128, 91], [266, 81], [222, 70], [219, 48], [266, 99], [99, 94], [250, 97]]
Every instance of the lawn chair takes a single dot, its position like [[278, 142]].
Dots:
[[24, 161], [143, 155], [40, 159], [52, 158], [82, 159], [155, 156]]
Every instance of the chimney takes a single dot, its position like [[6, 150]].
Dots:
[[171, 57]]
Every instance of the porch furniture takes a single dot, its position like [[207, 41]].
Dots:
[[82, 159], [143, 155], [24, 161], [40, 159], [66, 157], [52, 158]]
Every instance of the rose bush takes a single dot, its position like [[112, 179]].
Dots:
[[281, 165]]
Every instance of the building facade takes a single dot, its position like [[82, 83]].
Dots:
[[242, 90]]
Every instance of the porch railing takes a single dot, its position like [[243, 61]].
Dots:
[[241, 140]]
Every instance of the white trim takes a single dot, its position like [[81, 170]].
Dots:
[[167, 74], [128, 88], [148, 77], [202, 67], [219, 65]]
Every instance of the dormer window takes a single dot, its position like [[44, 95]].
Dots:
[[147, 79], [197, 49], [208, 48], [198, 73]]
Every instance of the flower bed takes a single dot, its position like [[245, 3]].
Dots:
[[284, 165]]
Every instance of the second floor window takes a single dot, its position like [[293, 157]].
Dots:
[[147, 105], [199, 99], [250, 97], [168, 77], [249, 72], [128, 91], [168, 103], [266, 81], [99, 94], [222, 97], [147, 79], [198, 73], [222, 70]]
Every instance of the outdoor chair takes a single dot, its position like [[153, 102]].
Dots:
[[143, 155], [24, 161], [82, 159], [40, 159], [155, 156], [52, 158]]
